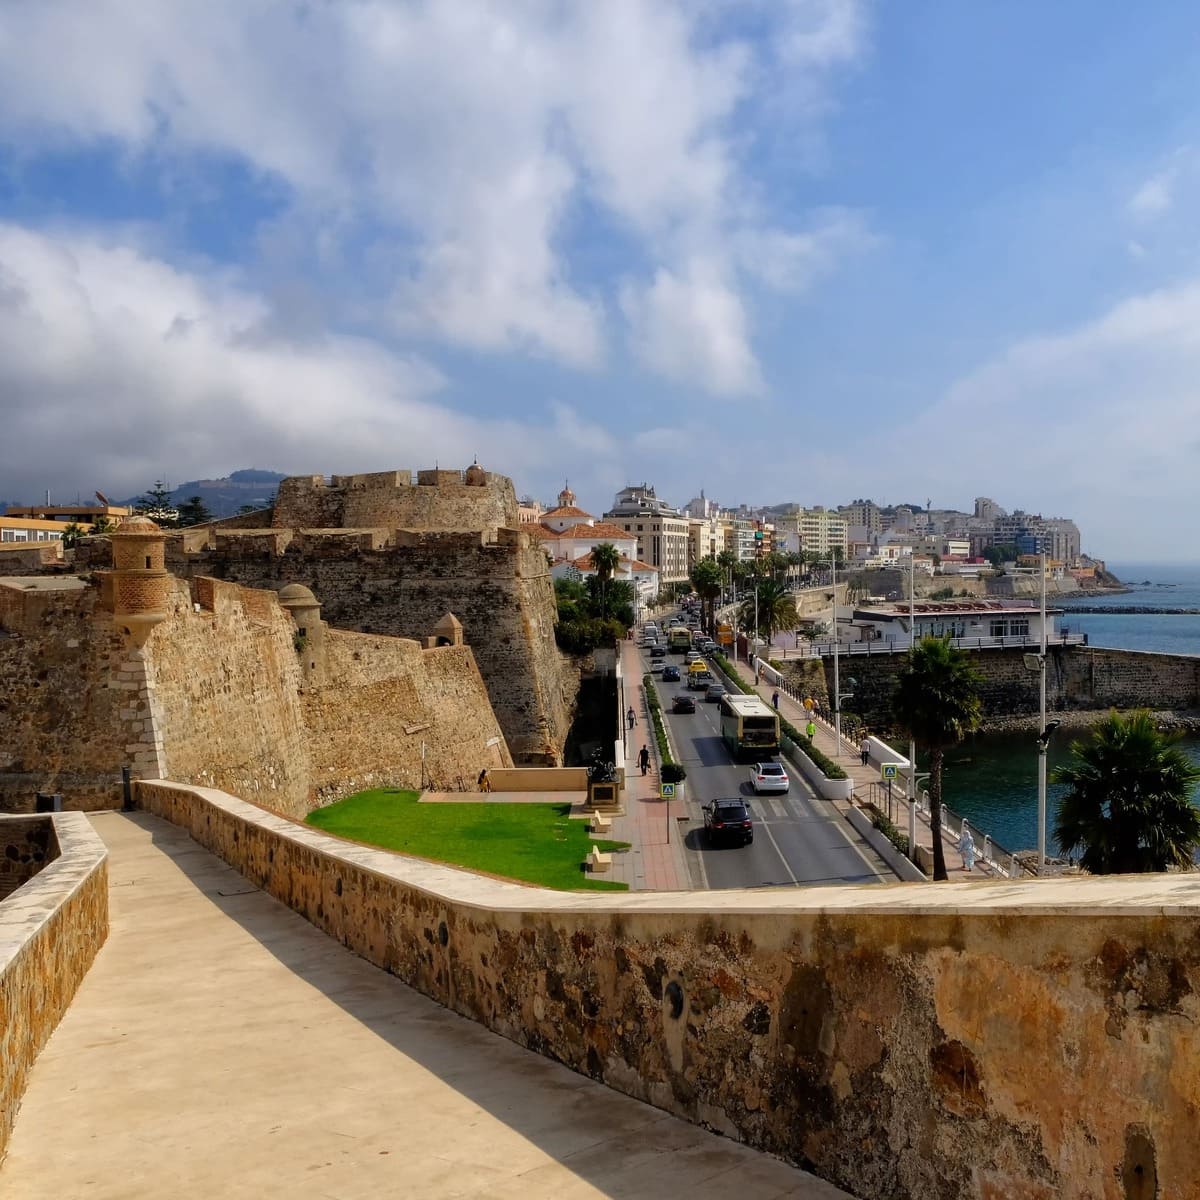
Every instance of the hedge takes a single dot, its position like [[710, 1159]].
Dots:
[[672, 772], [889, 831]]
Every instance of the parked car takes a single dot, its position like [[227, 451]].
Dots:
[[769, 777], [728, 821], [670, 674], [714, 693], [658, 652], [683, 703]]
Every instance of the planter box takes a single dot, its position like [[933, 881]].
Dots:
[[826, 788], [861, 822]]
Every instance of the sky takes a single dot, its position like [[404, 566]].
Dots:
[[779, 250]]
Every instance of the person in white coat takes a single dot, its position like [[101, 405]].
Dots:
[[966, 847]]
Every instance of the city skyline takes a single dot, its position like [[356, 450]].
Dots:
[[832, 247]]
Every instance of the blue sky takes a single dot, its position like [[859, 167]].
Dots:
[[782, 251]]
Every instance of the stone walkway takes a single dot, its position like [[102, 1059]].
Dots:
[[656, 860], [221, 1046]]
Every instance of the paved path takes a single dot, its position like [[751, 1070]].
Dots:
[[222, 1047], [656, 860]]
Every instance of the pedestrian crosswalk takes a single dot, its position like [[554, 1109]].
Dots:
[[777, 808]]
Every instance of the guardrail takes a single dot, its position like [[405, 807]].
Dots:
[[894, 805], [902, 645]]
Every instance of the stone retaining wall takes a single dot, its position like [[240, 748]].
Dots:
[[50, 930], [1036, 1040]]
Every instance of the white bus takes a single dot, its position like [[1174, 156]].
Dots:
[[750, 727]]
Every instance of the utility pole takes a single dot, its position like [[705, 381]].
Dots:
[[1043, 739]]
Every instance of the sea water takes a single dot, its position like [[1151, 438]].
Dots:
[[991, 779]]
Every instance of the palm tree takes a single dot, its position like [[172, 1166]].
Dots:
[[776, 609], [71, 533], [1129, 803], [605, 558], [937, 704]]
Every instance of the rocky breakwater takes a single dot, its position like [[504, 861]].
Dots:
[[1131, 610]]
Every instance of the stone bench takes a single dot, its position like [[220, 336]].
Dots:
[[599, 823], [598, 862]]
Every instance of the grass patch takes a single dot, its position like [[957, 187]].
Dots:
[[533, 843]]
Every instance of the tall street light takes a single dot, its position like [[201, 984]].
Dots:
[[1037, 662], [912, 744], [837, 679]]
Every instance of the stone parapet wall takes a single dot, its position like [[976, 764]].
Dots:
[[27, 844], [1037, 1040], [50, 931]]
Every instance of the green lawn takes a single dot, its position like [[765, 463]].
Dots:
[[534, 843]]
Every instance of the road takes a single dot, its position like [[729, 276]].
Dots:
[[797, 838]]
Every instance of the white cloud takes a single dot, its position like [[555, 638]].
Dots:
[[115, 367], [1098, 420], [1154, 197], [692, 328], [465, 137]]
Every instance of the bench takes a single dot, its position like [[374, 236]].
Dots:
[[598, 862], [599, 823]]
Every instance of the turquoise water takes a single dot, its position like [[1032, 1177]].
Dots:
[[991, 779]]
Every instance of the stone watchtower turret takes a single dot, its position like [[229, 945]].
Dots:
[[140, 582], [305, 609]]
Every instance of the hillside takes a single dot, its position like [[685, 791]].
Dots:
[[224, 497]]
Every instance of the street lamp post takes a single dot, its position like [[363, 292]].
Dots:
[[1037, 662], [912, 744]]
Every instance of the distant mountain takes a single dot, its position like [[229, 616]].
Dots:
[[223, 497]]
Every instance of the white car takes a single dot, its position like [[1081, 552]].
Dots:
[[769, 777], [656, 665]]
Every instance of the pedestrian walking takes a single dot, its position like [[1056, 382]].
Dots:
[[864, 749], [483, 782], [631, 717], [966, 847], [775, 701], [644, 759], [810, 730]]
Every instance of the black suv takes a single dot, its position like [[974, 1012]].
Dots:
[[683, 704], [728, 821]]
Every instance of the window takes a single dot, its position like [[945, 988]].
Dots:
[[999, 629], [1019, 628]]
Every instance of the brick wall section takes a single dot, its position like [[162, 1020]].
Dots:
[[1078, 678], [50, 931], [1037, 1040], [499, 588], [386, 700], [27, 844]]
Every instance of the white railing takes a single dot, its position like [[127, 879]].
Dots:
[[901, 645]]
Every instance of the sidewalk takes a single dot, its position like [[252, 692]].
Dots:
[[652, 863], [849, 761]]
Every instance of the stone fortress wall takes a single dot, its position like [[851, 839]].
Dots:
[[1032, 1040], [1078, 679], [219, 693], [384, 555]]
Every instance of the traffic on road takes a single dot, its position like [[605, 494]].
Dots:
[[737, 785]]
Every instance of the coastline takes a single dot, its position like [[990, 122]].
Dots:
[[1187, 720]]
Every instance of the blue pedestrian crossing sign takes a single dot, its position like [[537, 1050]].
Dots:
[[668, 791], [889, 771]]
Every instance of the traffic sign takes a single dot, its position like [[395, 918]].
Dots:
[[889, 771], [668, 791]]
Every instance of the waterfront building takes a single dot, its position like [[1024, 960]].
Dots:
[[982, 623]]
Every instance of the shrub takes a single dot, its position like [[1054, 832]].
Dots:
[[672, 772], [889, 831]]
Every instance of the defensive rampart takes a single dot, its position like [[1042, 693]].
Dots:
[[401, 583], [1036, 1040], [437, 501], [216, 694], [51, 927]]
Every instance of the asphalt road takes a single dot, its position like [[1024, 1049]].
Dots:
[[796, 839]]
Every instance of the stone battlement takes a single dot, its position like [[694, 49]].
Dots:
[[439, 500]]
